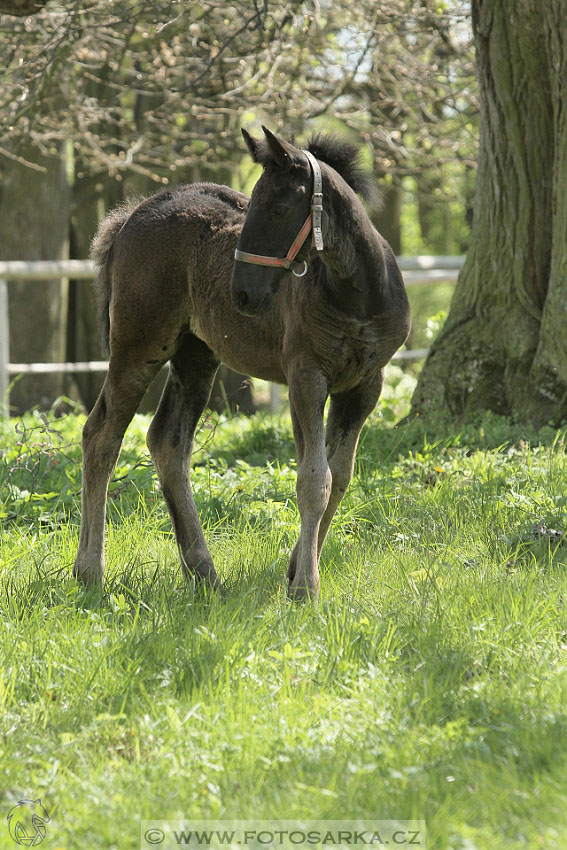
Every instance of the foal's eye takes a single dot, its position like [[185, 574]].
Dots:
[[280, 209]]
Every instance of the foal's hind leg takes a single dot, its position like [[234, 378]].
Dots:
[[347, 413], [170, 440], [104, 429]]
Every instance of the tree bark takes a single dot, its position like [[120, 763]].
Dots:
[[504, 345], [34, 223]]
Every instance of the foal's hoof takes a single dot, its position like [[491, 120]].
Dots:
[[203, 576], [91, 575], [208, 585], [301, 593]]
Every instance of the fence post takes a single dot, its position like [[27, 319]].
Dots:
[[4, 349], [275, 398]]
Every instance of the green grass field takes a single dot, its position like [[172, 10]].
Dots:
[[430, 682]]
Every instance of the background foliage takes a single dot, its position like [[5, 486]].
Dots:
[[159, 91], [101, 101]]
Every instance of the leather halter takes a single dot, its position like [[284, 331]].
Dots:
[[312, 222]]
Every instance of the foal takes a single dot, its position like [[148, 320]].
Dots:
[[325, 319]]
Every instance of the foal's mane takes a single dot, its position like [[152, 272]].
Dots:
[[340, 155], [345, 159]]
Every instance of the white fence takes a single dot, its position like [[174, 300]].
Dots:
[[417, 270]]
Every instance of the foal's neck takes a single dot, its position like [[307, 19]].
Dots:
[[354, 266]]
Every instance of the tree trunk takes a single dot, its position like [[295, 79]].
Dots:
[[21, 8], [89, 203], [34, 223], [504, 345], [435, 217], [387, 221]]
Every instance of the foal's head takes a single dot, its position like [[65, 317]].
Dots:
[[279, 208]]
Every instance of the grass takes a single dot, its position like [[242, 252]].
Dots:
[[430, 682]]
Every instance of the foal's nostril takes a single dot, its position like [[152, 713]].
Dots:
[[242, 299]]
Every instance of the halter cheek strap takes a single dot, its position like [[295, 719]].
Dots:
[[313, 222], [316, 202]]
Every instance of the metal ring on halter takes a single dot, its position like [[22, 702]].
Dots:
[[303, 273]]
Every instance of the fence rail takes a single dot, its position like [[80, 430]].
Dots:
[[417, 271]]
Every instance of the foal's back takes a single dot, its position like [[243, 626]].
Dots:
[[151, 257], [165, 269]]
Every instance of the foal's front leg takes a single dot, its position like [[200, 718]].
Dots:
[[347, 413], [307, 395]]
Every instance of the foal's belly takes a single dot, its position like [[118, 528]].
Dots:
[[245, 344], [268, 346]]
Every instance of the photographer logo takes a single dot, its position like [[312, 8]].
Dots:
[[26, 823]]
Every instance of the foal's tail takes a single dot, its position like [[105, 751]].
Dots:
[[101, 253]]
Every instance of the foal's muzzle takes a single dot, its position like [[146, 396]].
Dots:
[[249, 304]]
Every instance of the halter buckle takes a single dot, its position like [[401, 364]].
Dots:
[[317, 201]]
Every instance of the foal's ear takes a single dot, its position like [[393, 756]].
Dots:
[[252, 144], [270, 150], [280, 150]]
